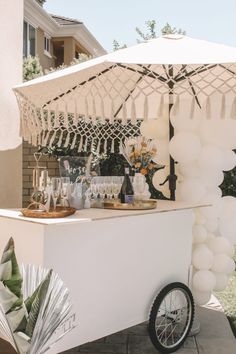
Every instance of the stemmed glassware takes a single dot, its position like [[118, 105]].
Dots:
[[56, 190], [65, 183]]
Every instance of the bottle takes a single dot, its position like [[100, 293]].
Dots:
[[127, 191]]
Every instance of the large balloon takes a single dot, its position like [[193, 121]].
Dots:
[[211, 177], [228, 229], [199, 233], [211, 156], [192, 190], [221, 245], [189, 170], [221, 281], [228, 208], [162, 157], [182, 121], [229, 160], [221, 263], [204, 280], [185, 147], [201, 297], [202, 257]]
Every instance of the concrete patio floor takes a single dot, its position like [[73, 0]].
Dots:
[[215, 337]]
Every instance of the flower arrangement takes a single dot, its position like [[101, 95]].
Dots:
[[140, 154]]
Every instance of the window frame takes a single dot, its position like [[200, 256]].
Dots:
[[28, 24], [47, 45]]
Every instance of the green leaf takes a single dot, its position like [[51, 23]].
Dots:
[[35, 305]]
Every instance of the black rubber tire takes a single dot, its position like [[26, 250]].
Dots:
[[154, 311]]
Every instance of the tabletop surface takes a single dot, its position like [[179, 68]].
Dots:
[[88, 215]]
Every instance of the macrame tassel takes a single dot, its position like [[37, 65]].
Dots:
[[98, 147], [105, 146], [133, 112], [80, 144], [57, 118], [46, 137], [66, 117], [103, 119], [52, 138], [175, 109], [85, 144], [75, 117], [113, 146], [223, 107], [86, 106], [73, 142], [233, 109], [67, 140], [124, 113], [161, 107], [49, 119], [94, 112], [145, 109], [121, 147], [42, 119], [112, 113], [60, 140], [208, 108], [192, 108]]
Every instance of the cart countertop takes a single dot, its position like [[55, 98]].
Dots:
[[88, 215]]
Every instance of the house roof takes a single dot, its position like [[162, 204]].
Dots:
[[64, 21]]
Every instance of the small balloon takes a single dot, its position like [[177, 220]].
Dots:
[[199, 233], [185, 147], [192, 190], [221, 262], [204, 280], [221, 281], [201, 297], [202, 257]]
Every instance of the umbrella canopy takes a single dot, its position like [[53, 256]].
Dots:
[[126, 86]]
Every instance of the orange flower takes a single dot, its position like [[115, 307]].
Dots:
[[138, 164], [144, 171]]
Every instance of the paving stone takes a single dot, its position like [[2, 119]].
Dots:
[[140, 345], [190, 343], [216, 346], [103, 348], [141, 329], [120, 338]]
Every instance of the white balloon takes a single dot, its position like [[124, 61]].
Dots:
[[220, 245], [192, 190], [204, 280], [228, 229], [201, 297], [185, 147], [199, 217], [221, 281], [220, 132], [230, 267], [229, 160], [211, 156], [202, 257], [221, 262], [211, 224], [211, 177], [190, 169], [199, 233], [155, 128], [183, 120], [163, 155], [228, 208]]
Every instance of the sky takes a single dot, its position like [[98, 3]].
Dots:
[[213, 20]]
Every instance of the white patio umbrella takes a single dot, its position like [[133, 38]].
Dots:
[[72, 106]]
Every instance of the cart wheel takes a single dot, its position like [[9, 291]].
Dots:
[[171, 317]]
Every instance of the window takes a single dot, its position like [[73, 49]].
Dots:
[[29, 40], [47, 44]]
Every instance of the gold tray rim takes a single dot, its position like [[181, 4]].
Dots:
[[60, 212], [141, 205]]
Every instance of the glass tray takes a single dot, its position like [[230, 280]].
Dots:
[[140, 205], [60, 212]]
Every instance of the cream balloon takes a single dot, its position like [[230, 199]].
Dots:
[[229, 160], [220, 245], [228, 208], [199, 233], [211, 177], [211, 156], [221, 281], [211, 224], [204, 280], [221, 262], [201, 297], [202, 257], [185, 147], [228, 229], [199, 217], [189, 170], [192, 190]]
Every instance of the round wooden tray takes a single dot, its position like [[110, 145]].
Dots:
[[141, 205], [60, 212]]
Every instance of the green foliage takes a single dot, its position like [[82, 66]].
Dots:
[[229, 185], [82, 58], [41, 2], [31, 68], [151, 31], [167, 29], [117, 45]]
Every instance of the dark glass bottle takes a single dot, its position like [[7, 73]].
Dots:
[[127, 191]]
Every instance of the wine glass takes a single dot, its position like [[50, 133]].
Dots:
[[65, 182], [56, 190]]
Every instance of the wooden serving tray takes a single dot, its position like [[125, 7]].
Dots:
[[60, 212], [141, 205]]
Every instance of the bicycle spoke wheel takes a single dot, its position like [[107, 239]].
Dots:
[[171, 317]]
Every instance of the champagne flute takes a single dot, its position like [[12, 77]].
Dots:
[[56, 190], [65, 182]]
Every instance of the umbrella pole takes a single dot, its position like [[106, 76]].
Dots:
[[172, 176]]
